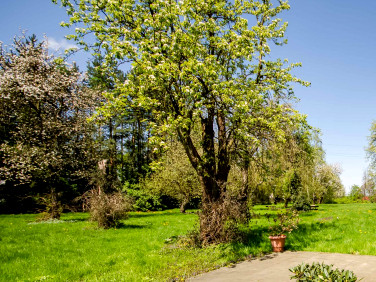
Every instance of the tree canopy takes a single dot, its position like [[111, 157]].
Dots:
[[46, 141]]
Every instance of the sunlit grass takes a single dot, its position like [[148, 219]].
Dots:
[[338, 228], [348, 228], [73, 249]]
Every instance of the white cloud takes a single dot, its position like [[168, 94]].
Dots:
[[59, 45]]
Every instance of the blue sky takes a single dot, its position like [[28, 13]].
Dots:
[[333, 39]]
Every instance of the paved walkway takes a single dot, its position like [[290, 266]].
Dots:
[[275, 267]]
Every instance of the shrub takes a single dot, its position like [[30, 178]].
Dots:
[[221, 222], [142, 201], [372, 199], [321, 272], [347, 200], [106, 209], [52, 206], [302, 203]]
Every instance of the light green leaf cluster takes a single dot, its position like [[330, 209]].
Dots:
[[371, 149]]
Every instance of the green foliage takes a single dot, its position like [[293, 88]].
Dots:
[[122, 134], [347, 200], [292, 186], [355, 192], [326, 184], [301, 202], [175, 177], [321, 272], [142, 200], [297, 169], [282, 170]]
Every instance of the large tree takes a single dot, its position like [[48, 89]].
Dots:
[[282, 165], [196, 62], [326, 183], [46, 143]]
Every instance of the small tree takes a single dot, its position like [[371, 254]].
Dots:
[[371, 149], [355, 192], [326, 183], [176, 177]]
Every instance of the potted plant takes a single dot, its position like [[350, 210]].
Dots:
[[280, 225]]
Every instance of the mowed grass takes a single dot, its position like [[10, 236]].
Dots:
[[73, 249], [348, 228], [333, 228]]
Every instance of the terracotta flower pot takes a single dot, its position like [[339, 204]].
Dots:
[[278, 243]]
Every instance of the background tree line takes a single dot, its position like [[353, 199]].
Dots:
[[50, 149]]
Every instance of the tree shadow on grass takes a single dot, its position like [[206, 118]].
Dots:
[[150, 214], [253, 243], [305, 236], [76, 219], [256, 239], [123, 225]]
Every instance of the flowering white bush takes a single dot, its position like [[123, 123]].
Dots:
[[44, 136]]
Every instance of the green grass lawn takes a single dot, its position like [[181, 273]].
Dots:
[[345, 228], [73, 249]]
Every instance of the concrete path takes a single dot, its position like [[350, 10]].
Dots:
[[275, 267]]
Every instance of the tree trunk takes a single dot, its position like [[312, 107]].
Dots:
[[244, 193], [53, 205], [211, 192], [213, 170], [214, 211], [287, 201], [183, 205]]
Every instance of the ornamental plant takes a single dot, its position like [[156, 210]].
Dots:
[[283, 223], [46, 144], [321, 272]]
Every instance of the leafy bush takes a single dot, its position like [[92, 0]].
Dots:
[[302, 203], [142, 201], [321, 272], [372, 199], [347, 200]]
